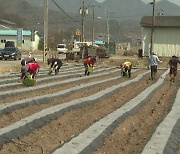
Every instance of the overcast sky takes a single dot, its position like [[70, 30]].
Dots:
[[173, 1]]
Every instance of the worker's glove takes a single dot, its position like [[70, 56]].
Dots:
[[30, 76], [50, 71]]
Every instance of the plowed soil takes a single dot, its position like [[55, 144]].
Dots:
[[128, 138]]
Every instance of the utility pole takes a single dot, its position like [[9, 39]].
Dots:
[[152, 29], [119, 33], [93, 23], [83, 12], [45, 30], [107, 22]]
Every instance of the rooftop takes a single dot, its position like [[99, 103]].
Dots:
[[161, 21], [14, 32]]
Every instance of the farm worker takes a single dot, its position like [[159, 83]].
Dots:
[[55, 65], [27, 60], [153, 60], [126, 68], [31, 69], [89, 62], [173, 67]]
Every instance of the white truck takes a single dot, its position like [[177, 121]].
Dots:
[[77, 45]]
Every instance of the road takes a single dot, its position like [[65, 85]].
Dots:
[[14, 65]]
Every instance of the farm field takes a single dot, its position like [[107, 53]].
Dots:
[[100, 113]]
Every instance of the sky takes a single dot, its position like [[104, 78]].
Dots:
[[177, 2]]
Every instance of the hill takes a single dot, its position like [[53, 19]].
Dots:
[[64, 18], [123, 9]]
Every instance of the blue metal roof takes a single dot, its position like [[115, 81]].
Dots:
[[14, 32], [98, 42]]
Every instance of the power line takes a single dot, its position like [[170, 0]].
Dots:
[[33, 22], [61, 9], [76, 19], [126, 17]]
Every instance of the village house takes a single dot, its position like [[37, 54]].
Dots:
[[30, 39]]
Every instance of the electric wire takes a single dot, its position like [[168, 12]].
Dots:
[[61, 9]]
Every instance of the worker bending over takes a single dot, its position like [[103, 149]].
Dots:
[[126, 69], [55, 65], [89, 64]]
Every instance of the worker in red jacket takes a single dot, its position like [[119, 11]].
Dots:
[[89, 62], [173, 63], [31, 69]]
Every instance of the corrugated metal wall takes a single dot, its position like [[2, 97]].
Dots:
[[166, 41]]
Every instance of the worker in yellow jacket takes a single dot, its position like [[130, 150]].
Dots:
[[126, 69]]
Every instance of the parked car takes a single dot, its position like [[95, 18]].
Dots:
[[9, 44], [61, 48], [10, 53]]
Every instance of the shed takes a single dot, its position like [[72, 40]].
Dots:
[[30, 38], [166, 35]]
